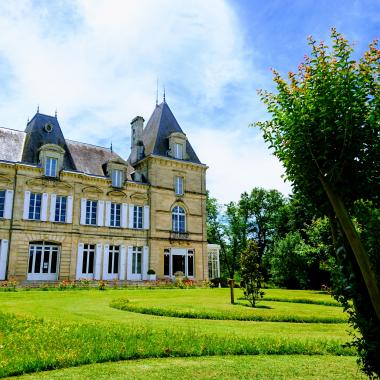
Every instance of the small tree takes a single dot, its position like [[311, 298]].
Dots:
[[251, 276]]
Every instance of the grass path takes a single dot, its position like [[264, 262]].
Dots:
[[227, 367]]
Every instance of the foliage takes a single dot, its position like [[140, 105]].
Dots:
[[251, 276], [8, 286], [260, 209], [325, 129], [151, 271]]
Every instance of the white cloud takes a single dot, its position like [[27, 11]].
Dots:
[[98, 60]]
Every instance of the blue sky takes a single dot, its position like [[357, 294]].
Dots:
[[97, 62]]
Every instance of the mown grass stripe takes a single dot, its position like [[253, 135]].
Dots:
[[30, 344], [124, 304]]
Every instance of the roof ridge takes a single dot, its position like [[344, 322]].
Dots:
[[84, 143], [12, 129]]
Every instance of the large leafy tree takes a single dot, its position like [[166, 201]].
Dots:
[[325, 129], [261, 212]]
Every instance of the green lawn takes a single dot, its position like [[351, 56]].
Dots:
[[223, 367], [79, 327]]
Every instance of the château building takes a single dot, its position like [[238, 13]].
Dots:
[[71, 210]]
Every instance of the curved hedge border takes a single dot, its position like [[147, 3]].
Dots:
[[124, 304], [300, 300]]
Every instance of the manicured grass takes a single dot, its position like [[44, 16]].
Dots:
[[296, 367], [266, 311], [79, 327]]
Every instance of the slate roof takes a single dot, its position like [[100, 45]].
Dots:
[[18, 146], [157, 130], [36, 136], [11, 144]]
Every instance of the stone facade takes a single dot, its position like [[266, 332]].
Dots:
[[90, 214]]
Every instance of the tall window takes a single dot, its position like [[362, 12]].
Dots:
[[88, 259], [178, 219], [60, 208], [178, 151], [179, 185], [51, 165], [115, 214], [2, 203], [35, 206], [113, 259], [91, 208], [179, 260], [117, 178], [137, 217], [136, 260]]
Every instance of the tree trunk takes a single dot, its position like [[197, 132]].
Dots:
[[356, 245]]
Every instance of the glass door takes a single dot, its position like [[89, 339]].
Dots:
[[43, 260]]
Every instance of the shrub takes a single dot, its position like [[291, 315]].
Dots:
[[151, 271], [8, 286]]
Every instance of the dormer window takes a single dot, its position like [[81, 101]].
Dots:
[[177, 146], [51, 165], [178, 151], [51, 159], [117, 178]]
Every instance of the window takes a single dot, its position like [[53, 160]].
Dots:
[[137, 217], [178, 151], [136, 260], [43, 259], [91, 208], [115, 215], [2, 203], [179, 260], [88, 259], [178, 219], [213, 263], [51, 165], [117, 178], [35, 206], [179, 185], [60, 209], [113, 259]]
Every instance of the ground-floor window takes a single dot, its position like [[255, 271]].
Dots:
[[213, 262], [88, 259], [136, 260], [179, 261], [113, 259], [43, 261]]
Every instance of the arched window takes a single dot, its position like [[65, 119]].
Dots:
[[179, 219]]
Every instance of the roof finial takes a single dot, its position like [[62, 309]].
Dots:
[[157, 93], [38, 108], [111, 147], [164, 95], [55, 114]]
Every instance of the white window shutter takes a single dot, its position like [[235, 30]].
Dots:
[[105, 260], [26, 204], [69, 210], [129, 263], [79, 261], [123, 263], [53, 199], [100, 213], [145, 263], [98, 261], [146, 217], [124, 215], [44, 206], [3, 258], [108, 214], [130, 216], [8, 204], [83, 204]]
